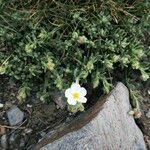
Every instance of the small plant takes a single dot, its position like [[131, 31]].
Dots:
[[48, 44]]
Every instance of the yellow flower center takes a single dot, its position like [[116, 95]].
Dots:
[[75, 95]]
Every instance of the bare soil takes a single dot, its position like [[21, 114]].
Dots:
[[40, 118]]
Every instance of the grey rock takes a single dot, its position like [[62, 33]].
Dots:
[[148, 114], [1, 105], [57, 98], [12, 137], [15, 115], [22, 143], [111, 129], [42, 133], [4, 142]]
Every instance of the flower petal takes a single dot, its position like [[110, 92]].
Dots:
[[83, 91], [71, 101], [82, 100], [75, 87], [68, 93]]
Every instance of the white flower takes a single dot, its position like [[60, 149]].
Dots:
[[76, 94]]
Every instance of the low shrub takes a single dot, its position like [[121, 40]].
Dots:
[[50, 44]]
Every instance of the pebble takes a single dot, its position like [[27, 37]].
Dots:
[[42, 133], [148, 114], [4, 142], [1, 105], [12, 138], [15, 115], [27, 131], [57, 98], [2, 130], [29, 106], [22, 143]]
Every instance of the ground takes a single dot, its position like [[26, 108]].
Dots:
[[39, 118]]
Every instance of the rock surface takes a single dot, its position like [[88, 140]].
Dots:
[[111, 129], [148, 114], [15, 115]]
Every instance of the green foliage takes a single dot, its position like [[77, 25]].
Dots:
[[23, 93], [50, 44], [76, 108]]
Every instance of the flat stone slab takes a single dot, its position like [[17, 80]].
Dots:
[[111, 129]]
